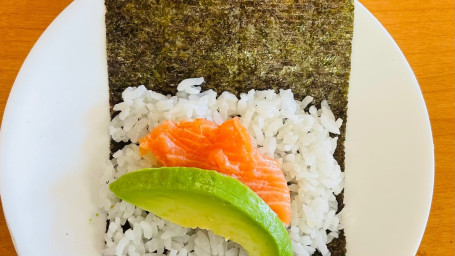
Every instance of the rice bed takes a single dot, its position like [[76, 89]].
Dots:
[[296, 133]]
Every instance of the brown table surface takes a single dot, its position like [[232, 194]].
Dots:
[[424, 30]]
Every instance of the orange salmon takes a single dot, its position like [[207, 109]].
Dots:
[[225, 148]]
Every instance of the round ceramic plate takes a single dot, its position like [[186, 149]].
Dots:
[[54, 141]]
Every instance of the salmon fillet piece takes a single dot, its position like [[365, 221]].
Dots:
[[225, 148]]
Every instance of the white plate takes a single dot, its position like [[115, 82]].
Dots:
[[54, 140]]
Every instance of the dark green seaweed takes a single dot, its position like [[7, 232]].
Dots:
[[237, 45]]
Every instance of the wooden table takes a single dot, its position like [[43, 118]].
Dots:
[[424, 30]]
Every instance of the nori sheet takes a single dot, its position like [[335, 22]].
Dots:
[[236, 45]]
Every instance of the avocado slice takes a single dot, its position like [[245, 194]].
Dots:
[[193, 197]]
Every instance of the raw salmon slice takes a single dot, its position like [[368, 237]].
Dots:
[[225, 148]]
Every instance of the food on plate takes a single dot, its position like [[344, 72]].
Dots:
[[193, 198], [282, 67], [225, 148]]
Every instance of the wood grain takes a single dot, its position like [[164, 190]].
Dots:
[[424, 30]]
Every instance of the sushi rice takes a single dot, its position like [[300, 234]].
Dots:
[[300, 136]]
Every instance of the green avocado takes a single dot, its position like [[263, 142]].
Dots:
[[193, 197]]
